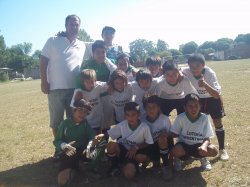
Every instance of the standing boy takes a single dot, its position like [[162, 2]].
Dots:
[[205, 81]]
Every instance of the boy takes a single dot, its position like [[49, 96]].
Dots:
[[154, 66], [92, 91], [103, 68], [159, 125], [133, 136], [205, 82], [194, 131], [144, 86], [108, 34], [173, 89], [72, 138]]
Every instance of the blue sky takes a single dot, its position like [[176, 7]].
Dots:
[[174, 21]]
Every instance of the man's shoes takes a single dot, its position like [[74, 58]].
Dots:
[[223, 154], [205, 164]]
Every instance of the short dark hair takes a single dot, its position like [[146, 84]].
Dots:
[[169, 66], [71, 16], [197, 57], [153, 61], [143, 75], [108, 28], [191, 97], [151, 99], [131, 106], [98, 44]]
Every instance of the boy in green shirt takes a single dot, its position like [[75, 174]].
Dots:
[[75, 138]]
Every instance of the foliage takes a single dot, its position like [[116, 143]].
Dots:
[[242, 38], [3, 76], [175, 53], [161, 46], [189, 48], [83, 35], [223, 44]]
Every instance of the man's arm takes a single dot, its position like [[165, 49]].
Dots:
[[43, 72]]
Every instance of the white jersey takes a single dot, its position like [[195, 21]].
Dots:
[[128, 137], [119, 99], [209, 76], [139, 93], [192, 132], [178, 91], [95, 118], [160, 125], [65, 60]]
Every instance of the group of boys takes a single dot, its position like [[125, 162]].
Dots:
[[146, 134]]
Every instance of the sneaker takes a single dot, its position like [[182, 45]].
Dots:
[[167, 173], [205, 164], [223, 154], [177, 164]]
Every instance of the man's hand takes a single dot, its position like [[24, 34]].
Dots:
[[132, 152], [68, 148], [45, 86]]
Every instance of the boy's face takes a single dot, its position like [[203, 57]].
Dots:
[[192, 108], [132, 117], [144, 84], [89, 84], [99, 55], [108, 36], [196, 68], [123, 64], [119, 84], [152, 110], [154, 70], [79, 114], [172, 76]]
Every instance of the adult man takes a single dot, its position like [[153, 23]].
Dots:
[[60, 62]]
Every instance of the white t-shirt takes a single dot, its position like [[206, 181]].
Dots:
[[65, 60], [209, 77], [192, 132], [178, 91], [130, 137], [160, 125], [119, 99], [139, 93], [95, 118]]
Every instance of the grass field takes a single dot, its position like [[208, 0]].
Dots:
[[26, 148]]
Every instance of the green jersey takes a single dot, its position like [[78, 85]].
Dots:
[[69, 131]]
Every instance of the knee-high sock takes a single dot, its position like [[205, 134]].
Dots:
[[220, 133]]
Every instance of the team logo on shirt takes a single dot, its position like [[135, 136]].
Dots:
[[194, 136]]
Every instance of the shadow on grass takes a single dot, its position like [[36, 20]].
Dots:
[[44, 173]]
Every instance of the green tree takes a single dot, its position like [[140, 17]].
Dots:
[[242, 38], [141, 49], [175, 53], [207, 45], [161, 46], [83, 35], [189, 48], [224, 44], [2, 43]]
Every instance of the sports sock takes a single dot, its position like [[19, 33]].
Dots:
[[220, 133], [164, 156]]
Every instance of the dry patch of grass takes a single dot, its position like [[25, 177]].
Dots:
[[26, 148]]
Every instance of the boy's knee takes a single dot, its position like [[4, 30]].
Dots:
[[163, 141], [64, 177], [129, 171], [177, 151], [217, 123], [212, 150], [112, 147], [140, 158]]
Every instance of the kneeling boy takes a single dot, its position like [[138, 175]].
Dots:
[[133, 136], [194, 131]]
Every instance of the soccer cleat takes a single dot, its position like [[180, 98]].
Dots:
[[167, 173], [205, 164], [177, 164], [223, 154]]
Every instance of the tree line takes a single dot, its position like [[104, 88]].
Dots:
[[18, 57]]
